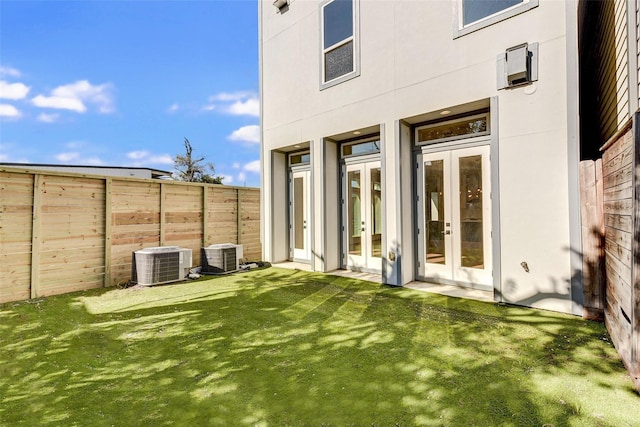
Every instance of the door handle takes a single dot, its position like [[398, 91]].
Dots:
[[446, 232]]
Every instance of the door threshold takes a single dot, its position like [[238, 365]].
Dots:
[[293, 265], [452, 291]]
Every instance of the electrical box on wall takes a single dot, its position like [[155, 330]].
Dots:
[[517, 66]]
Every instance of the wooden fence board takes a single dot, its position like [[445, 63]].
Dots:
[[621, 200], [83, 230]]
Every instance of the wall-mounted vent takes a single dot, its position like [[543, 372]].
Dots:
[[518, 66], [221, 258], [157, 265]]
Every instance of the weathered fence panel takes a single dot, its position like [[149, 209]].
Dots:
[[62, 232], [621, 177], [592, 219]]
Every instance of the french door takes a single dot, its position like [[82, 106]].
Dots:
[[363, 216], [299, 215], [454, 216]]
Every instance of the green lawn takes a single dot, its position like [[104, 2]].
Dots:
[[280, 347]]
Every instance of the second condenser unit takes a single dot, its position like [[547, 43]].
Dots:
[[221, 258]]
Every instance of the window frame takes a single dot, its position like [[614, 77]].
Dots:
[[364, 140], [419, 143], [459, 29], [354, 38]]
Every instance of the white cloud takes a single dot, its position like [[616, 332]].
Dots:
[[8, 71], [235, 103], [173, 108], [67, 157], [236, 165], [227, 179], [164, 159], [231, 96], [74, 145], [48, 118], [60, 103], [144, 158], [242, 177], [8, 159], [249, 133], [250, 107], [13, 90], [73, 157], [137, 155], [7, 110], [253, 166], [76, 95]]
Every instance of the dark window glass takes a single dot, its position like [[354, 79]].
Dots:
[[300, 158], [474, 10], [361, 148], [338, 22], [475, 126], [338, 62]]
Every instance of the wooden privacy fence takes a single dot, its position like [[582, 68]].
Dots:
[[621, 201], [610, 190], [62, 232]]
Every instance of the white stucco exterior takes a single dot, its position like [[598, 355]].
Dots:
[[412, 67]]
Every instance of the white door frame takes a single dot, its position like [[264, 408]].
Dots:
[[368, 220], [300, 245], [449, 269]]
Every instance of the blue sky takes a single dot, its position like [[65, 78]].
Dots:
[[122, 83]]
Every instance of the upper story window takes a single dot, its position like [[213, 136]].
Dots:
[[473, 15], [339, 41]]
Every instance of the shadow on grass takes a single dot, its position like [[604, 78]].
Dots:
[[293, 348]]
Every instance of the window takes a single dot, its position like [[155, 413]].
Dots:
[[299, 158], [467, 127], [339, 42], [361, 147], [473, 15]]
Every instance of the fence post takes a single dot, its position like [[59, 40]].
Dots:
[[205, 214], [162, 213], [239, 217], [35, 235], [107, 231]]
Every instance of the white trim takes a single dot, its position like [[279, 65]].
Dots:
[[459, 29], [355, 38]]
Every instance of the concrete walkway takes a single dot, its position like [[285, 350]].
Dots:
[[448, 290]]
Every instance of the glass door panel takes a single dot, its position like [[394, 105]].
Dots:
[[376, 213], [471, 230], [299, 214], [455, 216], [354, 212], [363, 216], [434, 211]]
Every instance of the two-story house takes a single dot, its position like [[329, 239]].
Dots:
[[425, 141]]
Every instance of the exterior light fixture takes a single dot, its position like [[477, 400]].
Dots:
[[279, 4], [357, 132], [445, 112]]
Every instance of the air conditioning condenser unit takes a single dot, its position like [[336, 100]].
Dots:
[[221, 258], [162, 264]]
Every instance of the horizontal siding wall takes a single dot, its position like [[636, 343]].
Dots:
[[66, 232]]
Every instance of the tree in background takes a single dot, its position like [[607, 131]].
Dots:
[[194, 170]]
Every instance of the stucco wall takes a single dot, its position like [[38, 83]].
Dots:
[[410, 65]]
